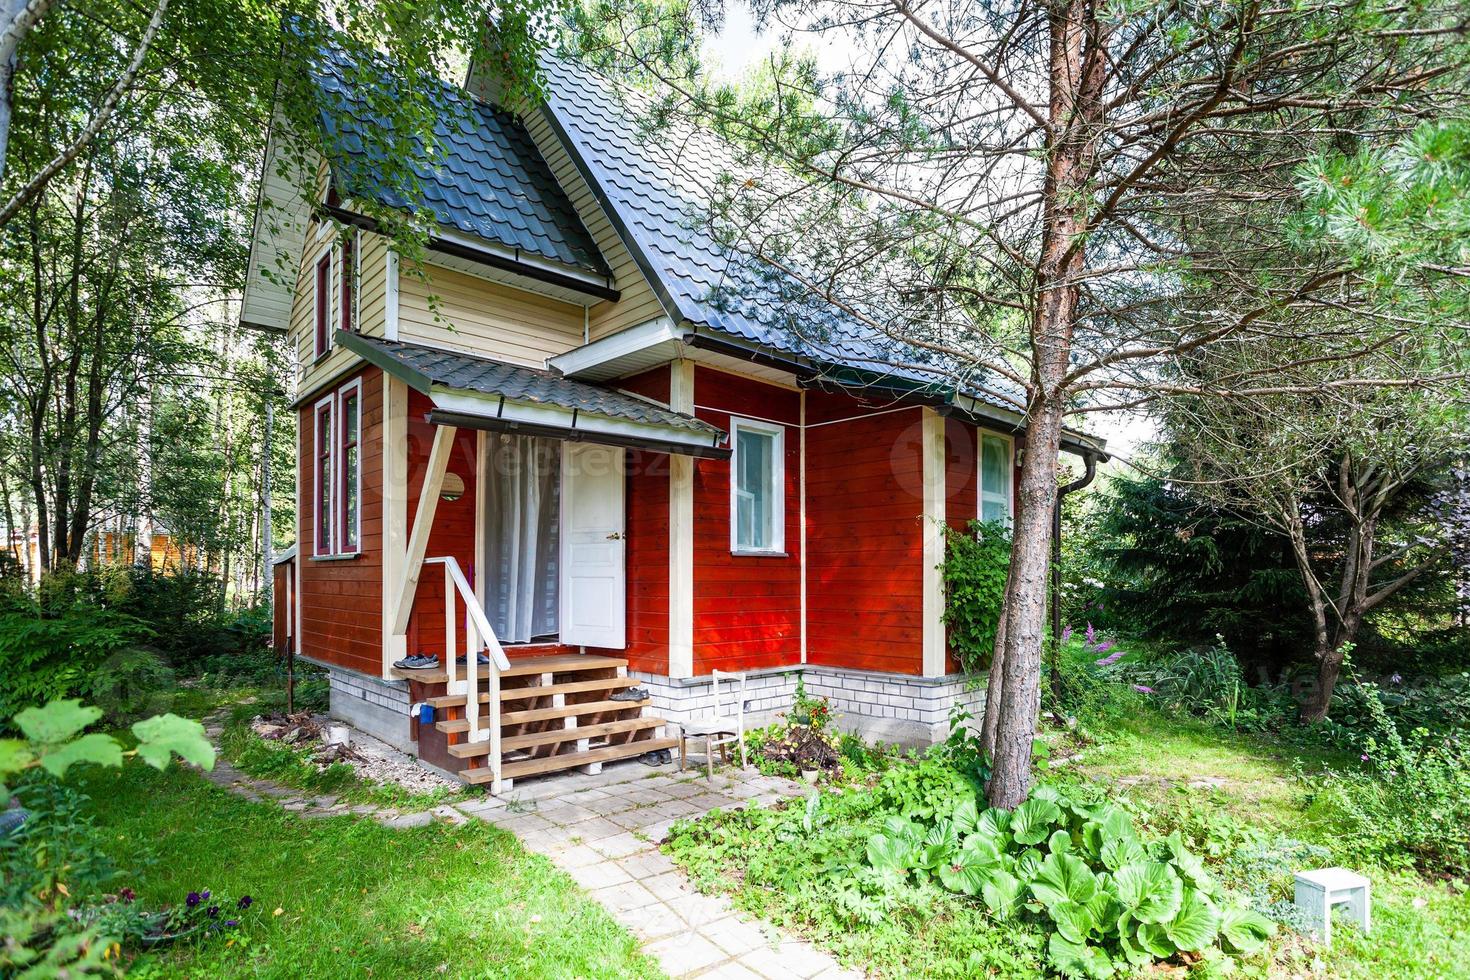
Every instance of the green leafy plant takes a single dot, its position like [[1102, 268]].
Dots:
[[54, 741], [1110, 901], [54, 844], [974, 571]]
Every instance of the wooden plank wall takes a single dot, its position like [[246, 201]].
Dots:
[[864, 550], [747, 609], [341, 598], [484, 318], [647, 504]]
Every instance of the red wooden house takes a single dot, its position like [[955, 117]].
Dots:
[[563, 444]]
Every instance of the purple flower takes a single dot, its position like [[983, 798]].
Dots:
[[1365, 757], [231, 923], [204, 894], [1143, 689], [1103, 647], [1066, 633], [212, 911], [193, 899], [1109, 661], [1091, 635], [1396, 679], [245, 902], [126, 895]]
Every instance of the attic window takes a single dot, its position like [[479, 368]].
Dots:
[[348, 270], [323, 332]]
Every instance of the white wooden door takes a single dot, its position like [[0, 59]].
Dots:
[[593, 549]]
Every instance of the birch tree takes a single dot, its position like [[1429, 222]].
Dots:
[[1044, 198]]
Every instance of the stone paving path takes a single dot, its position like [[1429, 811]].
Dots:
[[604, 831]]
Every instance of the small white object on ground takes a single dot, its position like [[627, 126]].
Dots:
[[337, 735], [1318, 891]]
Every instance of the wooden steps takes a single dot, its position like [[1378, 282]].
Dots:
[[542, 723], [568, 760], [608, 684], [459, 725], [555, 736]]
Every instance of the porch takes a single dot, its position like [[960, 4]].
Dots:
[[539, 715]]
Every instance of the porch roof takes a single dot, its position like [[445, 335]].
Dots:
[[480, 393]]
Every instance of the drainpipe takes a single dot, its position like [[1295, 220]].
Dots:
[[1090, 462]]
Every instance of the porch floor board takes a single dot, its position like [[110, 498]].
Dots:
[[560, 663]]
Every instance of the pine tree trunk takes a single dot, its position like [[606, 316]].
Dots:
[[1010, 777], [1075, 111]]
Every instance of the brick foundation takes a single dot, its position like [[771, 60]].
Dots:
[[897, 708], [371, 705]]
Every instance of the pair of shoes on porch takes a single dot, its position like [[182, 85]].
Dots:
[[483, 659], [631, 694], [417, 661], [658, 757]]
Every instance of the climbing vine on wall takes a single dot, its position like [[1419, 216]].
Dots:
[[974, 569]]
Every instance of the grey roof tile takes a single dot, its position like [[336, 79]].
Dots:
[[488, 179], [465, 372], [657, 184]]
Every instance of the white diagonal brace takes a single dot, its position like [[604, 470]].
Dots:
[[423, 523]]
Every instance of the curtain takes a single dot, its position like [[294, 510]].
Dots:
[[523, 491]]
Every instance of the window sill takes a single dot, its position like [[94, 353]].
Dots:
[[759, 554], [350, 556]]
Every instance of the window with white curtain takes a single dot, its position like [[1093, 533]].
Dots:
[[522, 536], [757, 524], [995, 477]]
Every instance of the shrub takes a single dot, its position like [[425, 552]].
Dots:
[[1435, 703], [975, 567], [924, 789], [49, 655], [1208, 683], [1415, 800], [132, 684]]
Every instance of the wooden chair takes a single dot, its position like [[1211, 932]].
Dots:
[[718, 726]]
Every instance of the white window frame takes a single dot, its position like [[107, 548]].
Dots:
[[1010, 490], [333, 402], [329, 403], [339, 462], [778, 476]]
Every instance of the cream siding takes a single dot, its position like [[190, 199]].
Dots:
[[466, 313], [372, 271], [638, 304]]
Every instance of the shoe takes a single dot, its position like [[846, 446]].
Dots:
[[483, 659], [417, 661], [658, 757], [631, 694]]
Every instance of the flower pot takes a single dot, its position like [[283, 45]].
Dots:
[[810, 775]]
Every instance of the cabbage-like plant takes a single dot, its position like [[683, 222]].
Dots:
[[1112, 900]]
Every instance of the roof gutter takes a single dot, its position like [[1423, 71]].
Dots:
[[484, 256], [467, 420]]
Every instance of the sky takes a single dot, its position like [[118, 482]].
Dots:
[[738, 46]]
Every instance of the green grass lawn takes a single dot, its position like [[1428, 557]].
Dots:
[[355, 899], [1421, 925]]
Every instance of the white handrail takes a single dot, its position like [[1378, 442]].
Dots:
[[478, 635]]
